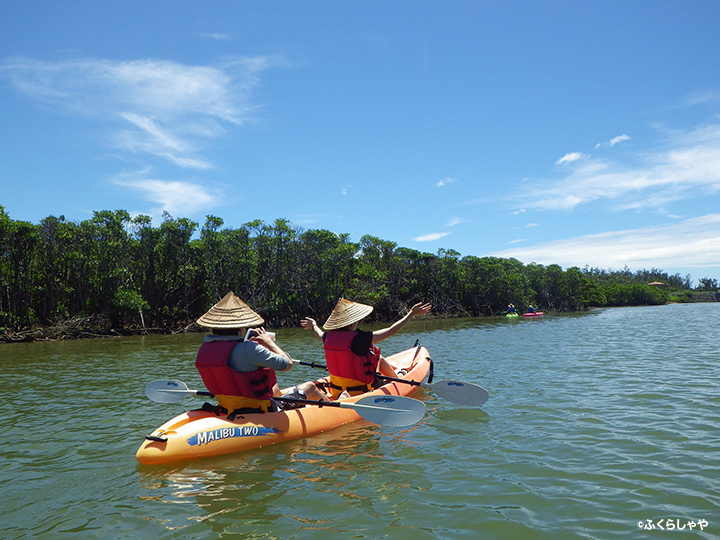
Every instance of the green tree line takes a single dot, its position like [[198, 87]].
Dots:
[[135, 273]]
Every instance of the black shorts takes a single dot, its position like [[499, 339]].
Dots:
[[297, 393]]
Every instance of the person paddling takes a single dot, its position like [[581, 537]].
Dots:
[[352, 358], [242, 373]]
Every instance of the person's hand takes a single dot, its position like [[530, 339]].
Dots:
[[308, 323], [420, 309], [261, 337]]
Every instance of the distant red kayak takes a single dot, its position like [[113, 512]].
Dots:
[[535, 314]]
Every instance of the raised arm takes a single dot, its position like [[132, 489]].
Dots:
[[261, 337], [309, 324], [417, 309]]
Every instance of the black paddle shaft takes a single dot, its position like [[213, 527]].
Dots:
[[395, 379]]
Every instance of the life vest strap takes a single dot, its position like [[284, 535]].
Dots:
[[353, 386], [233, 403]]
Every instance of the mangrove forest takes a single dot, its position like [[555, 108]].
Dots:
[[130, 274]]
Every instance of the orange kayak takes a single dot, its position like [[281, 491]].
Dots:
[[198, 434]]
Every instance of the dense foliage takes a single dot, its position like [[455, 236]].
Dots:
[[135, 273]]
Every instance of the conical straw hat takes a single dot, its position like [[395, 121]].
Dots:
[[346, 313], [230, 312]]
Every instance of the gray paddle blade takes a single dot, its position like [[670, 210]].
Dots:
[[460, 392], [389, 410], [167, 391]]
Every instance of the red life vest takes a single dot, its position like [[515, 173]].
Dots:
[[342, 362], [222, 380]]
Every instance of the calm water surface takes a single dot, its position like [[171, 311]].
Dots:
[[596, 422]]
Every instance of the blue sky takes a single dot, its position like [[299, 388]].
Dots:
[[576, 133]]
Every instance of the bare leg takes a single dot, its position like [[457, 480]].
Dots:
[[312, 392], [385, 368]]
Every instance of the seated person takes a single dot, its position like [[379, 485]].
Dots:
[[352, 358], [241, 373]]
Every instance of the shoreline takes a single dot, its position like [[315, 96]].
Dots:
[[86, 328], [99, 327]]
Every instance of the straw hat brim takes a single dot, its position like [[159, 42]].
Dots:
[[230, 312], [345, 313]]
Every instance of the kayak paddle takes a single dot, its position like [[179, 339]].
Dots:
[[386, 410], [171, 391], [459, 392]]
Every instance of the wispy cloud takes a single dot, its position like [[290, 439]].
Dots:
[[309, 219], [430, 237], [445, 182], [695, 242], [454, 221], [569, 158], [701, 98], [613, 141], [154, 139], [154, 107], [687, 166], [216, 36], [172, 196]]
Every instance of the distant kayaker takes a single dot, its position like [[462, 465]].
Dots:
[[352, 358], [531, 309], [241, 373], [511, 308]]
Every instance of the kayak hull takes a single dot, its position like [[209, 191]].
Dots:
[[534, 314], [198, 434]]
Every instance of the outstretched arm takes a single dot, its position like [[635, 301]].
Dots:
[[417, 309], [309, 324]]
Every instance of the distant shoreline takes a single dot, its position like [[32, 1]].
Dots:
[[99, 327]]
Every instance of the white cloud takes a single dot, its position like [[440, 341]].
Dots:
[[154, 107], [614, 141], [702, 98], [444, 182], [216, 36], [430, 237], [688, 166], [691, 243], [454, 221], [173, 196], [569, 158]]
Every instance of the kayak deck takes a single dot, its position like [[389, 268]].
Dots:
[[197, 434]]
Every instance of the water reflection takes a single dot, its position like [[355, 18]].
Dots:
[[270, 484]]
